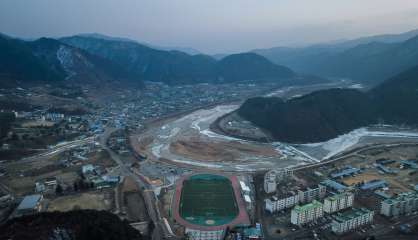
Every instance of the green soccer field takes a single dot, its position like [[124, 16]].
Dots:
[[208, 200]]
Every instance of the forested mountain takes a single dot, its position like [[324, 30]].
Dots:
[[369, 60], [250, 66], [50, 61], [19, 64], [323, 115], [175, 67]]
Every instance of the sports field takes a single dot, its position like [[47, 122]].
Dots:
[[208, 200]]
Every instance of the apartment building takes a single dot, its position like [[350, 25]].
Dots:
[[351, 220], [306, 213], [401, 204], [338, 202]]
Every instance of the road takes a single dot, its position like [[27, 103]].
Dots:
[[57, 149], [151, 201]]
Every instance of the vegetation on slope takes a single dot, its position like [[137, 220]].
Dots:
[[323, 115], [73, 225]]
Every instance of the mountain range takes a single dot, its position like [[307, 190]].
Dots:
[[368, 60], [325, 114], [174, 67], [98, 60]]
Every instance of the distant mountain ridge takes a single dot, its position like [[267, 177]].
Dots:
[[325, 114], [188, 50], [95, 60], [368, 59], [174, 67]]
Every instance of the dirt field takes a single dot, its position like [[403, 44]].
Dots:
[[133, 202], [96, 200], [213, 151]]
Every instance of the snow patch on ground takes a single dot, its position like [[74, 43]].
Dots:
[[346, 141], [65, 57]]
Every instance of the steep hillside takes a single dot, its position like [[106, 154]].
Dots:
[[312, 118], [19, 64], [79, 65], [74, 225], [175, 67], [323, 115], [50, 61]]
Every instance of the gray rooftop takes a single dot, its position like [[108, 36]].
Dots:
[[29, 202]]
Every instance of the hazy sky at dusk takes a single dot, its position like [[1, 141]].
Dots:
[[212, 26]]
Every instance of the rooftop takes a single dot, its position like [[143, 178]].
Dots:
[[314, 204], [345, 172], [338, 196], [333, 184], [29, 202], [351, 214], [402, 197]]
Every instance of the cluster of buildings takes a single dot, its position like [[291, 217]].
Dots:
[[345, 218], [402, 204], [308, 207], [98, 177], [285, 199]]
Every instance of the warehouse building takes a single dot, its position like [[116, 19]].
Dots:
[[347, 171], [351, 220], [338, 202], [334, 185], [373, 184], [306, 213], [29, 205], [402, 204]]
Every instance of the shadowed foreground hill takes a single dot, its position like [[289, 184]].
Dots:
[[74, 225], [323, 115]]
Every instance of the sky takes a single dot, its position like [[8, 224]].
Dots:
[[210, 26]]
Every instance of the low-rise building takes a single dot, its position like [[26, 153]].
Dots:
[[306, 213], [334, 185], [29, 205], [373, 184], [338, 202], [351, 219], [347, 171], [402, 204]]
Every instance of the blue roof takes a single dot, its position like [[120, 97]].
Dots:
[[29, 202], [373, 184], [333, 184], [345, 172], [410, 163]]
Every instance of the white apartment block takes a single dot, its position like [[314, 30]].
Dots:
[[278, 203], [275, 204], [306, 213], [310, 194], [402, 204], [351, 220], [338, 202], [273, 177]]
